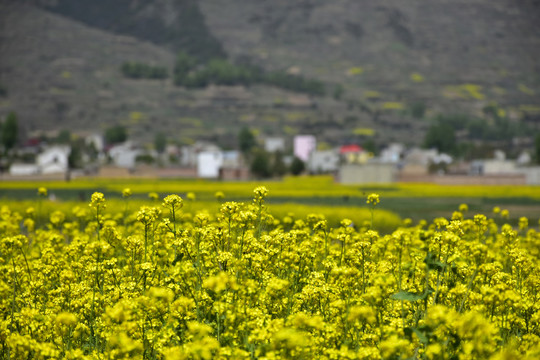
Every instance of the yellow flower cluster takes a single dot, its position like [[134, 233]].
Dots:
[[242, 283], [373, 199]]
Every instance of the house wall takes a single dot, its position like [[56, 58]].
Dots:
[[55, 155], [532, 175], [209, 163], [371, 173], [274, 144], [499, 167], [234, 174], [304, 145], [508, 179], [23, 169], [53, 168], [323, 161]]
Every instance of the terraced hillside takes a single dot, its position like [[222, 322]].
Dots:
[[380, 62]]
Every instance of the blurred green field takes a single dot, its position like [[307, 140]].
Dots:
[[415, 201]]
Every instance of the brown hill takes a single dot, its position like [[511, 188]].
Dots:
[[60, 67]]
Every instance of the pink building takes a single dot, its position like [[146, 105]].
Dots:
[[303, 146]]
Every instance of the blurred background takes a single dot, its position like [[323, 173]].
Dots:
[[238, 89]]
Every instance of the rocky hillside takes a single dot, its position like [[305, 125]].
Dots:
[[379, 61]]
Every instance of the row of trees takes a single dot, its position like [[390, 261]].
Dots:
[[137, 70], [9, 131], [190, 73], [442, 131], [221, 72], [266, 165], [262, 163]]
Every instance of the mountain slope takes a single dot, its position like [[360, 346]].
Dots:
[[380, 60], [178, 25], [486, 43], [62, 74]]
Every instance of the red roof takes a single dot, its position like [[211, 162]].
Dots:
[[32, 142], [350, 149]]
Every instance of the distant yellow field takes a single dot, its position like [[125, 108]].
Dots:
[[322, 186]]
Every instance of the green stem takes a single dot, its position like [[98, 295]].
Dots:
[[469, 287]]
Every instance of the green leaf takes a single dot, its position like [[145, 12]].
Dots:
[[422, 332], [421, 336], [408, 296], [433, 263]]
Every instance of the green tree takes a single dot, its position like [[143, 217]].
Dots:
[[63, 137], [136, 70], [75, 158], [246, 140], [260, 165], [369, 145], [10, 130], [441, 136], [278, 166], [184, 64], [537, 148], [297, 166], [160, 142], [115, 134]]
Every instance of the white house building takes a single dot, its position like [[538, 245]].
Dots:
[[209, 163], [325, 161], [125, 154], [273, 144], [17, 169], [189, 154], [392, 153], [496, 166], [54, 159], [96, 140], [372, 172], [304, 145]]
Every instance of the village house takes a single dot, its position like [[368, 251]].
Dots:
[[392, 153], [125, 155], [323, 161], [273, 144], [209, 163], [303, 146], [54, 159], [353, 154], [189, 153], [498, 165], [233, 166], [370, 172]]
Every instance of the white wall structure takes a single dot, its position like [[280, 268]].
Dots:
[[232, 159], [273, 144], [53, 160], [209, 163], [369, 173], [493, 167], [189, 154], [532, 175], [417, 156], [97, 140], [392, 153], [125, 154], [303, 146], [24, 169], [323, 161]]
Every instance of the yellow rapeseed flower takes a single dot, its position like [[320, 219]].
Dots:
[[126, 192], [373, 199]]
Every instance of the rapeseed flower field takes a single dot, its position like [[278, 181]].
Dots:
[[165, 279]]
